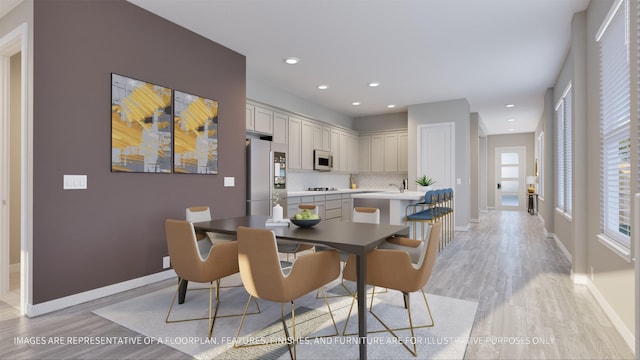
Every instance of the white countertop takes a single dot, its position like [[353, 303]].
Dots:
[[391, 195], [338, 191]]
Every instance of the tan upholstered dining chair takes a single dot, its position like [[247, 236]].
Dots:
[[190, 265], [369, 215], [394, 270], [205, 239], [366, 215], [263, 276]]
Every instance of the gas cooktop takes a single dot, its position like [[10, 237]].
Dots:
[[321, 189]]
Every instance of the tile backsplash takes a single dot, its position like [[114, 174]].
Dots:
[[300, 181]]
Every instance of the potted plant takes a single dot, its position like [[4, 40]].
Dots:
[[424, 183]]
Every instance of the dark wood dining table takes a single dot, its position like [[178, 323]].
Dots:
[[349, 237]]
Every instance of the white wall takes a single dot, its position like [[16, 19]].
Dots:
[[456, 111]]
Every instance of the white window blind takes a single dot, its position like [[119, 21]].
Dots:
[[568, 152], [615, 130], [560, 183], [564, 159], [541, 162]]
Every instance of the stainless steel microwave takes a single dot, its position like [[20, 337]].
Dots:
[[322, 160]]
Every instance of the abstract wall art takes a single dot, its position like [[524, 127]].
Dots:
[[195, 134], [140, 126]]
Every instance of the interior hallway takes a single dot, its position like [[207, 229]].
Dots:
[[519, 278]]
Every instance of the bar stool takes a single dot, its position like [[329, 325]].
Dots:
[[422, 212]]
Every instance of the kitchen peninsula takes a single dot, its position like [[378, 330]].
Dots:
[[392, 204]]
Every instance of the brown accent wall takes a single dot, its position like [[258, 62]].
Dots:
[[114, 230]]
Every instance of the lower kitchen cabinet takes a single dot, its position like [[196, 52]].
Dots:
[[333, 207]]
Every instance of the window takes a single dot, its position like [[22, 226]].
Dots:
[[540, 164], [615, 129], [564, 160]]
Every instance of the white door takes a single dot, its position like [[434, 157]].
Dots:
[[436, 153], [510, 187]]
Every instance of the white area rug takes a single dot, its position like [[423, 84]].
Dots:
[[146, 314]]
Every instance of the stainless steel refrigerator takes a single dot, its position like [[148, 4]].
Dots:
[[266, 175]]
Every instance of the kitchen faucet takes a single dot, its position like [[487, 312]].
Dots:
[[399, 187]]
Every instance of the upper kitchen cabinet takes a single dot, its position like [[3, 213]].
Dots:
[[300, 144], [364, 152], [343, 152], [295, 141], [384, 152], [377, 153], [259, 120], [280, 127], [391, 153], [354, 156], [403, 152], [306, 149], [321, 137], [344, 148]]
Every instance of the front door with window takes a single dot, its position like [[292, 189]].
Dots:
[[510, 187]]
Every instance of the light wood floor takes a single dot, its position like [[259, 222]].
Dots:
[[519, 278]]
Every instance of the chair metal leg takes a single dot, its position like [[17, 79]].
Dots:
[[213, 313], [353, 300], [411, 327], [289, 339]]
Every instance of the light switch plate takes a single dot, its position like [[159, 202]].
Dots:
[[229, 181], [74, 182]]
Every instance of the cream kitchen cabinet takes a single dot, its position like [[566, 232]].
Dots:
[[306, 148], [300, 144], [364, 154], [321, 137], [344, 150], [259, 120], [333, 207], [347, 206], [403, 152], [354, 157], [295, 141], [391, 153], [377, 153], [280, 127], [383, 152]]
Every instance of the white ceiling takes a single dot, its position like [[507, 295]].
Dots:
[[491, 52], [7, 5]]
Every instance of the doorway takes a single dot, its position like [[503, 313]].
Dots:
[[14, 191], [510, 166]]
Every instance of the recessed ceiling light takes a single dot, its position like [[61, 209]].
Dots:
[[355, 103], [292, 60], [374, 84], [509, 105], [511, 120], [391, 106], [323, 87]]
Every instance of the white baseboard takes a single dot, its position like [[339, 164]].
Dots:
[[564, 250], [463, 228], [474, 221], [71, 300], [617, 322]]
